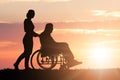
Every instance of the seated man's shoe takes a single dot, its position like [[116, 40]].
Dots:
[[73, 63]]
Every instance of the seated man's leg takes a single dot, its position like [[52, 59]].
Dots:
[[67, 53], [65, 50]]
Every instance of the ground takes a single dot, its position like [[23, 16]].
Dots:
[[83, 74]]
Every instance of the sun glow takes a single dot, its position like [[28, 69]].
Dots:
[[101, 56]]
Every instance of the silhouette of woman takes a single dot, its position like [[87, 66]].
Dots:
[[27, 40]]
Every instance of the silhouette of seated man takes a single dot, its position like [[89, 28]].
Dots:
[[49, 46]]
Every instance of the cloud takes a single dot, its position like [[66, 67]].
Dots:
[[106, 13], [5, 21], [55, 0], [6, 43], [87, 31], [4, 1], [112, 41], [76, 31]]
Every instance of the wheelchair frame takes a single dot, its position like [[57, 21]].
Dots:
[[47, 62]]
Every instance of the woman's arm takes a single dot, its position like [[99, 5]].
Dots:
[[35, 34]]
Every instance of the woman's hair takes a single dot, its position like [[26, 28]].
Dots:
[[30, 13]]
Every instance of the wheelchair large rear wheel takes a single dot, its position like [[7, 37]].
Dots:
[[33, 60], [47, 62]]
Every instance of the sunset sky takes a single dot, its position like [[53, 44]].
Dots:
[[90, 27]]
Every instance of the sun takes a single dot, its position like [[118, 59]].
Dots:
[[101, 56]]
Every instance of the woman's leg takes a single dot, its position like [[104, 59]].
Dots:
[[27, 56], [28, 52], [19, 60]]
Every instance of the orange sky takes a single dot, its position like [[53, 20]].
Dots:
[[91, 28], [60, 10], [90, 45]]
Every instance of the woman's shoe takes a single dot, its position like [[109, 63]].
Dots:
[[16, 67], [28, 68]]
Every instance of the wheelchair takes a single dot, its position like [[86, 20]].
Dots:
[[47, 62]]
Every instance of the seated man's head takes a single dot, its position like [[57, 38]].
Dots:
[[49, 27]]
